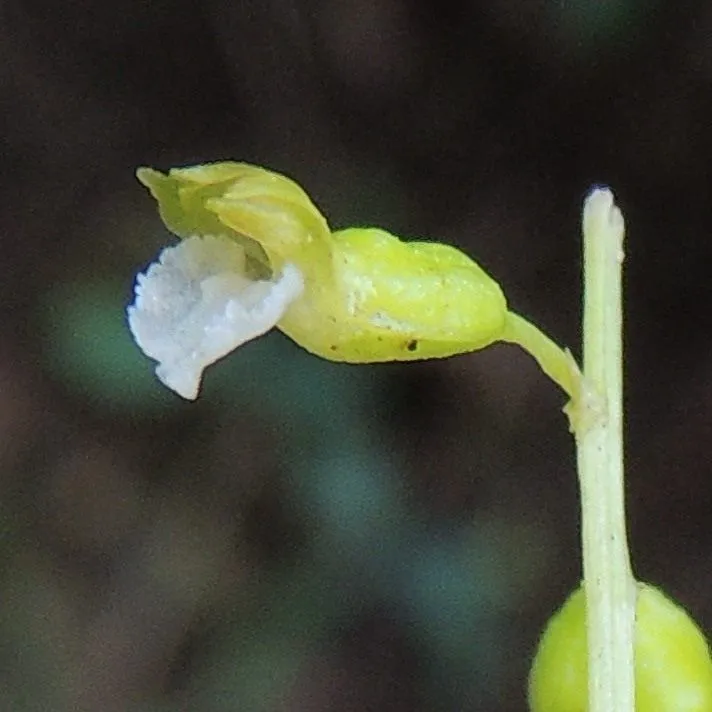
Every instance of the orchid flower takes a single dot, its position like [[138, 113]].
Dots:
[[256, 253]]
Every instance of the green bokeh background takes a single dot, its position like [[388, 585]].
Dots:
[[312, 536]]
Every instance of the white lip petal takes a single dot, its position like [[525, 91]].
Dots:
[[195, 304]]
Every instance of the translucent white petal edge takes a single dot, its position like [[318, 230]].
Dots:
[[195, 304]]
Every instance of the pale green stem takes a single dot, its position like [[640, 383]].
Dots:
[[597, 417]]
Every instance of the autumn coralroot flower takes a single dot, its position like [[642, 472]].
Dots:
[[256, 253]]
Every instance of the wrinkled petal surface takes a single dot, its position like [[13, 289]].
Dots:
[[196, 304]]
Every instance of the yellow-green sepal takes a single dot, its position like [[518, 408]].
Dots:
[[181, 195], [245, 202]]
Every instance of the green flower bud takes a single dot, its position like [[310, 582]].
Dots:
[[673, 670]]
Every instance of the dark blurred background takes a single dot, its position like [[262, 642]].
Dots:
[[310, 536]]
